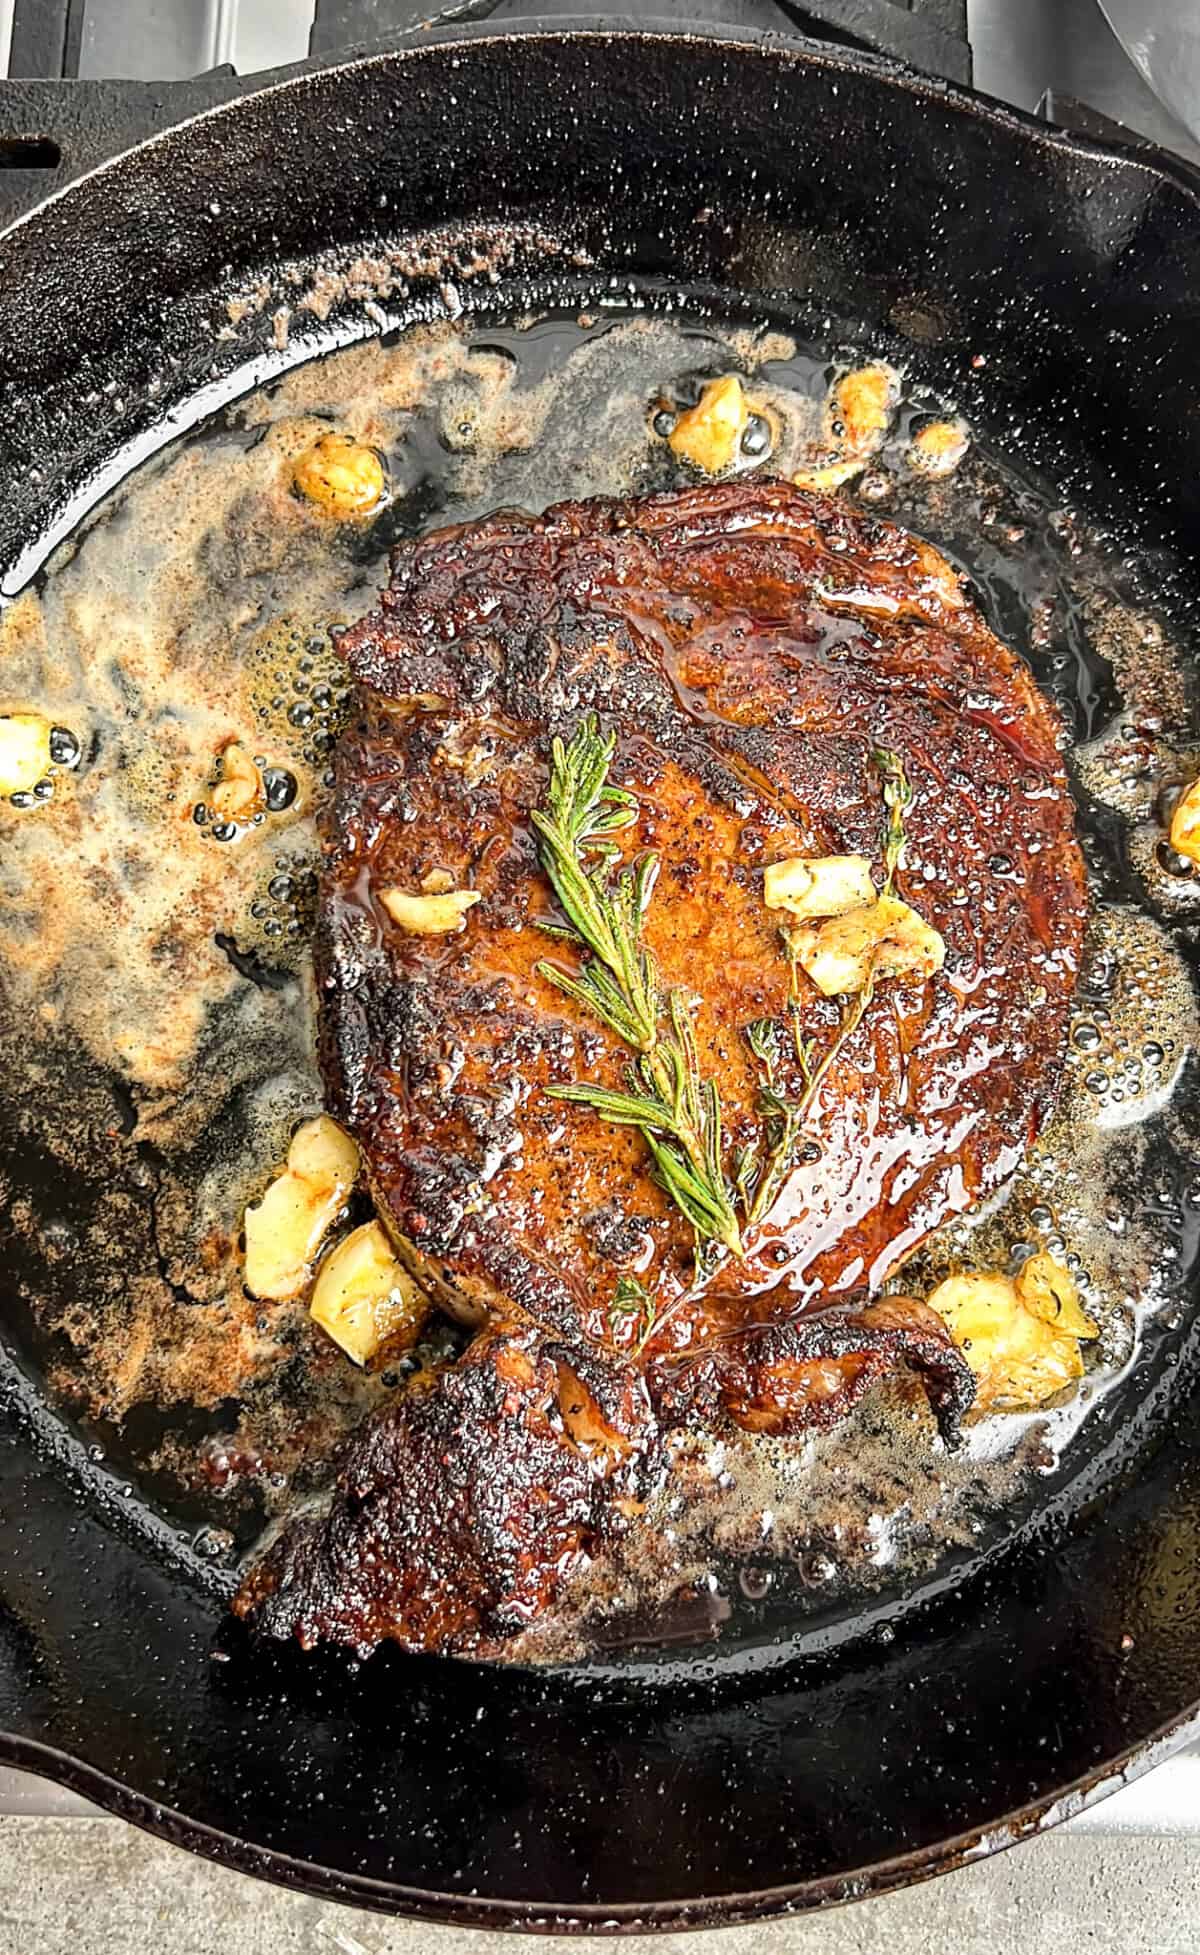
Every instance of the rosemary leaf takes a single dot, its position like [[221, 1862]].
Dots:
[[677, 1112], [707, 1207], [623, 1109], [587, 992]]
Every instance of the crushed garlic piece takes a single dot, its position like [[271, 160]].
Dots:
[[365, 1299], [1048, 1289], [938, 448], [709, 435], [340, 476], [430, 915], [1020, 1337], [25, 757], [285, 1229], [436, 882], [831, 476], [1185, 824], [824, 885], [883, 939], [860, 409], [239, 792], [858, 415]]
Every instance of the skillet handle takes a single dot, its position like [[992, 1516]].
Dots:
[[54, 131]]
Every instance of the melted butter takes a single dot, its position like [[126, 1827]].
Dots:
[[195, 607]]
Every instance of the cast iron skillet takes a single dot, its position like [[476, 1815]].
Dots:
[[728, 164]]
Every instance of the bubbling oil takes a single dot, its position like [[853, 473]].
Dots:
[[157, 1020]]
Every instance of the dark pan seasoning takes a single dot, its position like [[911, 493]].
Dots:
[[160, 1028]]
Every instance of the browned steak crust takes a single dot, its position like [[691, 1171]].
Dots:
[[808, 1372], [462, 1509], [749, 644]]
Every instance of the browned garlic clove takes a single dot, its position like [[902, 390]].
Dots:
[[364, 1299], [885, 939], [708, 436], [1020, 1336], [286, 1228], [818, 886], [937, 449], [239, 793], [340, 477], [1185, 824]]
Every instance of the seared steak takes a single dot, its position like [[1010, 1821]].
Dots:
[[750, 645], [752, 648], [460, 1510]]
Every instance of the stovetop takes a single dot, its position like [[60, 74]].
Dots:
[[143, 64], [1020, 50], [1054, 55]]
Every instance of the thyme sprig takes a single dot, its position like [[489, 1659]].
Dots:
[[897, 800], [631, 1302], [764, 1169], [677, 1111]]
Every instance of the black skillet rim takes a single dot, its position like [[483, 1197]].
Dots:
[[1078, 1794], [443, 30], [622, 1918]]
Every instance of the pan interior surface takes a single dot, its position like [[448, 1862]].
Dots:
[[160, 1042], [157, 1465]]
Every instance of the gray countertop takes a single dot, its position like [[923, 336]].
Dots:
[[1121, 1879], [98, 1887]]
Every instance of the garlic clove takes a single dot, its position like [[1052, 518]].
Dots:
[[908, 946], [341, 477], [1019, 1360], [239, 793], [860, 409], [431, 914], [1185, 824], [1048, 1289], [937, 449], [820, 886], [364, 1299], [25, 756], [827, 476], [285, 1229], [837, 966], [884, 939], [708, 436]]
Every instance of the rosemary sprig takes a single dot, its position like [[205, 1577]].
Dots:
[[762, 1175], [677, 1112], [619, 983]]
